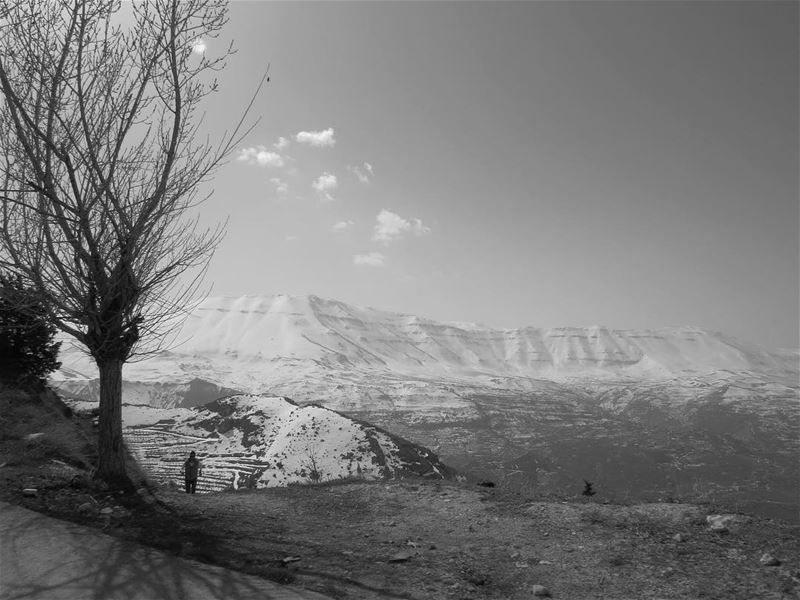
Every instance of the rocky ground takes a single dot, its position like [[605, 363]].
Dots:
[[419, 539], [414, 539]]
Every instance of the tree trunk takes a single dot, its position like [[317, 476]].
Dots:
[[111, 461]]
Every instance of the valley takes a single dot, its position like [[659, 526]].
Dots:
[[663, 414]]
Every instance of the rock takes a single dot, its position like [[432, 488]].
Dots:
[[545, 562], [86, 508], [290, 559], [540, 591], [768, 560], [29, 492], [33, 436], [678, 537], [106, 511], [521, 565], [401, 556], [720, 523]]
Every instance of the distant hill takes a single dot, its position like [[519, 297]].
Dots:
[[257, 441]]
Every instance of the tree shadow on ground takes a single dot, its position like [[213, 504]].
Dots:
[[43, 558]]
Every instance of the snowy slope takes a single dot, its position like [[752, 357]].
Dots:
[[365, 361], [259, 441], [246, 341], [311, 328]]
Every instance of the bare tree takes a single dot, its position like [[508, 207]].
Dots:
[[312, 466], [100, 168]]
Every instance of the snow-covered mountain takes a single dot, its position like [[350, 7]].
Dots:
[[639, 412], [259, 441], [275, 343]]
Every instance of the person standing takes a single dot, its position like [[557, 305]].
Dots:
[[191, 469]]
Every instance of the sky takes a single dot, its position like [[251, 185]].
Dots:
[[625, 164]]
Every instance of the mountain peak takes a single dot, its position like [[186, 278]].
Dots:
[[337, 334], [264, 338]]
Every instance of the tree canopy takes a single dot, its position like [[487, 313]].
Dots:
[[28, 352]]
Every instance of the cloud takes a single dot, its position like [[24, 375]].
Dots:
[[391, 226], [291, 238], [324, 184], [318, 139], [199, 46], [363, 172], [259, 155], [281, 187], [372, 259], [342, 225], [281, 143], [326, 181]]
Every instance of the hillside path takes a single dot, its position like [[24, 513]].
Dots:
[[42, 558]]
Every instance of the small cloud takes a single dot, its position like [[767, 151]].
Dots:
[[372, 259], [363, 172], [326, 181], [342, 225], [291, 238], [281, 187], [318, 139], [259, 155], [391, 226], [199, 46], [281, 143], [324, 184]]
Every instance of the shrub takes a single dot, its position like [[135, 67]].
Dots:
[[27, 351]]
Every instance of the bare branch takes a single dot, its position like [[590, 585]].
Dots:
[[100, 166]]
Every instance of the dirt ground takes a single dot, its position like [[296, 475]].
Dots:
[[431, 540], [414, 539]]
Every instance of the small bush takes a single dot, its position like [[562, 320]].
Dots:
[[27, 351]]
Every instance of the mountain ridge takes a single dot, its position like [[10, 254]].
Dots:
[[335, 335]]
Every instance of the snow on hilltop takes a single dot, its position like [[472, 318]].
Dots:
[[353, 358], [311, 328], [259, 441]]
